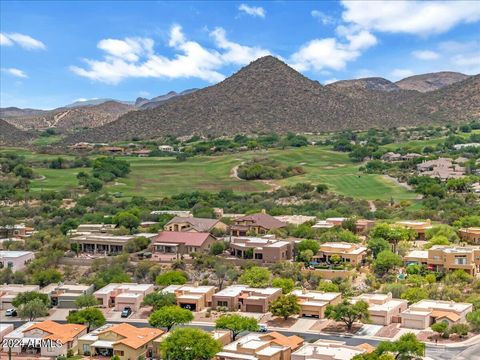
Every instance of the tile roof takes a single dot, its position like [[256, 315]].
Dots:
[[61, 332], [293, 342], [134, 337], [198, 224], [178, 237], [264, 220], [447, 314]]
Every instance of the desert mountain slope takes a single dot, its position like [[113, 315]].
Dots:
[[431, 81], [11, 136]]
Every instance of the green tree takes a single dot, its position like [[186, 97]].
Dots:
[[440, 327], [33, 309], [393, 234], [224, 271], [189, 344], [46, 277], [285, 284], [25, 297], [436, 240], [173, 277], [473, 319], [327, 286], [460, 329], [169, 316], [305, 256], [255, 277], [348, 313], [406, 348], [312, 245], [377, 245], [91, 317], [385, 262], [236, 324], [442, 230], [285, 306], [158, 300], [126, 219], [217, 248], [86, 300]]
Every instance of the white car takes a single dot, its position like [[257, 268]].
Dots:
[[11, 312]]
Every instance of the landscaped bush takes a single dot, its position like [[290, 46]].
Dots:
[[264, 168]]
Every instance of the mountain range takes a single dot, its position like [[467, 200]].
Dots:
[[269, 96]]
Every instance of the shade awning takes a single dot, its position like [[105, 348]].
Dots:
[[103, 344]]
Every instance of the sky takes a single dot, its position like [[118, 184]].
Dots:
[[53, 53]]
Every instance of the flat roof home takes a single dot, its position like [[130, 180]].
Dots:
[[266, 249], [420, 227], [426, 312], [182, 213], [166, 148], [192, 297], [15, 260], [29, 336], [176, 243], [295, 219], [327, 350], [193, 224], [349, 252], [17, 230], [314, 303], [447, 258], [126, 341], [123, 295], [270, 346], [64, 295], [470, 235], [97, 243], [382, 308], [244, 298], [84, 229], [260, 223], [8, 292]]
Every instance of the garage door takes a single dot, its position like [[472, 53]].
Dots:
[[414, 324], [191, 307], [378, 320], [254, 308]]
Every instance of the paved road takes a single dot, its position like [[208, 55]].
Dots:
[[435, 352]]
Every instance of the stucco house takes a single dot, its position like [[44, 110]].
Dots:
[[193, 224], [260, 223], [244, 298]]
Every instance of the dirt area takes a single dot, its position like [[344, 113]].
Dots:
[[389, 331], [281, 322], [427, 335], [337, 327], [320, 325]]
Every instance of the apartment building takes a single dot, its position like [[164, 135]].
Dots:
[[382, 308], [328, 350], [35, 332], [447, 258], [192, 297], [123, 295], [266, 249], [15, 260], [64, 295], [8, 292], [244, 298], [349, 253], [314, 303], [470, 235], [126, 341], [426, 312], [271, 346], [420, 227]]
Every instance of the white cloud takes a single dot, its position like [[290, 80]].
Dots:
[[135, 57], [398, 74], [15, 72], [319, 54], [322, 17], [426, 54], [80, 100], [329, 81], [256, 11], [25, 41], [413, 17], [467, 63]]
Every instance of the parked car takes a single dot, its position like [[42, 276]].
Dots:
[[262, 328], [11, 312], [126, 312]]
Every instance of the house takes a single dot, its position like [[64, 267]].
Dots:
[[363, 226], [112, 149], [329, 350], [260, 223], [192, 297], [177, 243], [47, 338], [391, 156], [166, 148], [15, 260], [123, 295], [441, 168], [426, 312], [351, 253], [411, 156], [266, 249], [244, 298], [81, 146], [142, 152], [420, 227], [193, 224], [8, 292], [382, 308], [463, 146], [104, 243], [470, 235], [64, 295], [126, 341], [295, 219], [254, 346], [447, 258], [85, 229], [5, 329], [314, 303], [323, 224], [17, 230], [181, 213]]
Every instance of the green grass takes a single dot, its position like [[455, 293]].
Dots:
[[47, 140], [415, 145], [157, 177]]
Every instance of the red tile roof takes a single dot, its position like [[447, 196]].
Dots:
[[178, 237]]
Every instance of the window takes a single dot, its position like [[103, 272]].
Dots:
[[222, 303], [10, 264], [86, 349], [119, 352], [258, 256], [461, 260]]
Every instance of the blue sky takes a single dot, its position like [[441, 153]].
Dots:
[[53, 53]]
